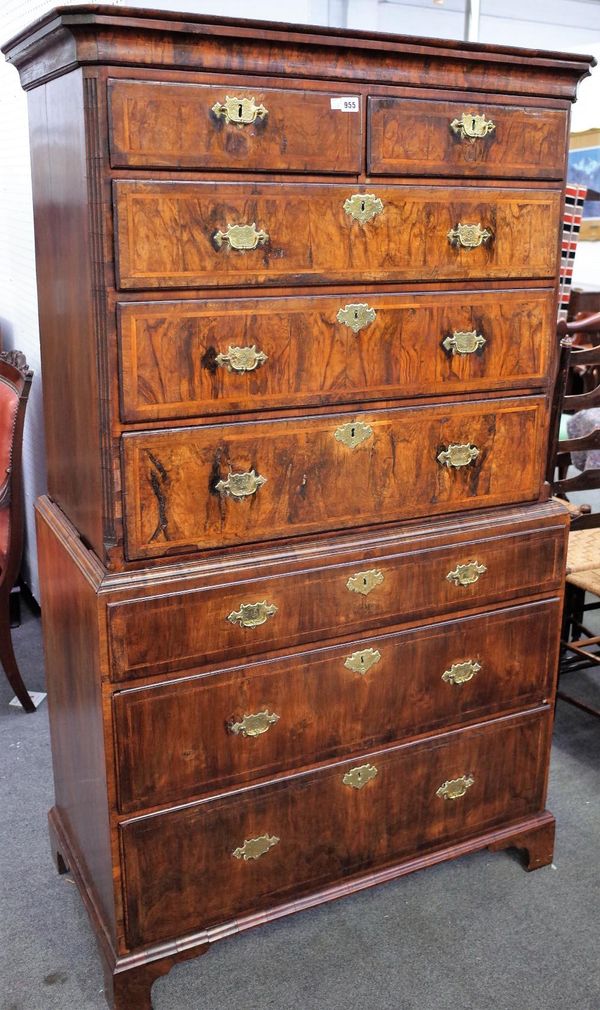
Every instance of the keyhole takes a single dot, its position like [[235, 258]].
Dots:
[[473, 123], [356, 315], [365, 583], [352, 432], [362, 206], [362, 660], [239, 110]]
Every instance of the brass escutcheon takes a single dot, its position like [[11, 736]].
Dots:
[[363, 207], [469, 236], [365, 582], [361, 662], [358, 777], [461, 673], [353, 433], [241, 236], [471, 126], [241, 359], [356, 316], [463, 342], [453, 789], [240, 111], [255, 724], [466, 575], [253, 848], [252, 615], [458, 455], [241, 485]]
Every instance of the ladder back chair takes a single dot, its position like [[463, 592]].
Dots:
[[578, 445]]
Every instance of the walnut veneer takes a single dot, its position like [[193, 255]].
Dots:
[[301, 580]]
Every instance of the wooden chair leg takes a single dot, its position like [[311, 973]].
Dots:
[[7, 657]]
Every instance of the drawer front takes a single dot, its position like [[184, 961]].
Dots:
[[242, 483], [201, 627], [188, 358], [164, 125], [205, 864], [232, 727], [414, 137], [189, 234]]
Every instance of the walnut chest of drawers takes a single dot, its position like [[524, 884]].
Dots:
[[301, 578]]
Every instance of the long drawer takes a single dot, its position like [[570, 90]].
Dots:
[[231, 727], [204, 864], [200, 627], [187, 358], [208, 234], [213, 486], [166, 125], [466, 138]]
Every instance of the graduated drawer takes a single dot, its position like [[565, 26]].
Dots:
[[187, 234], [242, 852], [218, 485], [231, 727], [164, 125], [196, 628], [413, 136], [188, 358]]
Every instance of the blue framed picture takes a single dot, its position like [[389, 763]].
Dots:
[[584, 168]]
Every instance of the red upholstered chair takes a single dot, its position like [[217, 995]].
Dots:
[[15, 383]]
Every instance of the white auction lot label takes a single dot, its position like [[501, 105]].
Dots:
[[346, 104]]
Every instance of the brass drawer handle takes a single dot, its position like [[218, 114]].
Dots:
[[240, 111], [241, 485], [363, 207], [471, 126], [469, 236], [353, 433], [254, 848], [241, 359], [458, 455], [466, 575], [461, 673], [255, 724], [453, 789], [252, 615], [361, 662], [365, 582], [241, 236], [463, 342], [357, 315], [358, 777]]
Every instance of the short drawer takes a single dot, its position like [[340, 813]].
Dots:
[[187, 358], [249, 482], [474, 139], [197, 628], [231, 727], [240, 853], [209, 234], [201, 126]]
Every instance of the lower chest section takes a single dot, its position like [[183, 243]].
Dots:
[[304, 727]]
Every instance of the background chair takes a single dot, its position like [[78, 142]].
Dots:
[[579, 369], [15, 383]]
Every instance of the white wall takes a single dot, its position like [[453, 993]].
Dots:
[[18, 297], [545, 24], [553, 24]]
